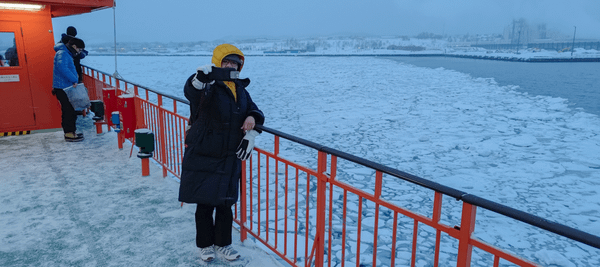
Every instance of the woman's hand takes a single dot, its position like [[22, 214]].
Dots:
[[248, 124]]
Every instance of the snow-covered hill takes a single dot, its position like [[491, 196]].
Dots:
[[346, 46]]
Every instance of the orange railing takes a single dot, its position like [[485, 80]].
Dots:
[[319, 216], [154, 111]]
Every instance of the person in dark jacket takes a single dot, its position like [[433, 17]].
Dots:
[[64, 76], [72, 32], [222, 134]]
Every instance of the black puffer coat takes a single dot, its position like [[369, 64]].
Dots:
[[211, 170]]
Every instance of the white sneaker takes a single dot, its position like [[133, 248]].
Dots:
[[207, 253], [228, 252]]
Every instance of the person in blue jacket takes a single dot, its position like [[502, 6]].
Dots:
[[222, 134], [65, 75], [65, 37]]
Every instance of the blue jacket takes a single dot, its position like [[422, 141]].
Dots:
[[65, 73]]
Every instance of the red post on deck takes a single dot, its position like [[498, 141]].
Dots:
[[120, 139], [99, 126], [109, 95], [243, 215], [161, 135], [437, 214], [467, 226], [145, 167], [321, 205], [126, 108], [140, 122]]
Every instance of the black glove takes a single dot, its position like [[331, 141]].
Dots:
[[202, 73]]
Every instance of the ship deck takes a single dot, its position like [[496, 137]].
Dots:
[[87, 204]]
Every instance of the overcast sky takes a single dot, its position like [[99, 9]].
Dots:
[[204, 20]]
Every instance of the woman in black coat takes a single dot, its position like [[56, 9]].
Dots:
[[222, 134]]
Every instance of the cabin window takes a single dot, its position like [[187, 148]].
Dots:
[[8, 50]]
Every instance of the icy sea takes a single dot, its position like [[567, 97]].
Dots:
[[534, 153]]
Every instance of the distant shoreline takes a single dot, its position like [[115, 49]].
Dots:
[[498, 58]]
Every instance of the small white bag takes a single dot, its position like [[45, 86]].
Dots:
[[78, 96]]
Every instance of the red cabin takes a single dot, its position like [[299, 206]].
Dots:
[[26, 47]]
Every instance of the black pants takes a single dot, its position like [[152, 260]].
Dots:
[[210, 233], [69, 118]]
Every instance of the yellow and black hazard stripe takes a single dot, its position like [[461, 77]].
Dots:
[[15, 133]]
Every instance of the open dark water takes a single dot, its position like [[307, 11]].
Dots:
[[579, 82]]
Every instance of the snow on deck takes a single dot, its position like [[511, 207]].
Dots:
[[87, 204]]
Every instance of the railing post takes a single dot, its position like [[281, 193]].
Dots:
[[467, 226], [162, 133], [437, 214], [321, 199], [276, 143], [243, 218]]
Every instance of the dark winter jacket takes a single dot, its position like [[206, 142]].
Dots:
[[65, 74], [64, 38], [210, 169]]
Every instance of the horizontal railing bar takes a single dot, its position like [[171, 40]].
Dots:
[[145, 88], [530, 219], [290, 137]]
